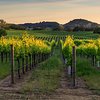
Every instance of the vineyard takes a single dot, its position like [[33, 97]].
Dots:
[[77, 54]]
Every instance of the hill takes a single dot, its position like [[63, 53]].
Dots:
[[81, 23], [42, 25]]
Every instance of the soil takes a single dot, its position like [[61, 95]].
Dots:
[[64, 92]]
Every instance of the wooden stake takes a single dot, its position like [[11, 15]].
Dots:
[[74, 66], [12, 64], [18, 68]]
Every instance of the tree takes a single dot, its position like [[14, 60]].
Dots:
[[16, 27], [2, 23], [97, 30], [58, 28], [3, 32], [79, 29]]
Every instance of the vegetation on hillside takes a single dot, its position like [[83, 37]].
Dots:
[[3, 32]]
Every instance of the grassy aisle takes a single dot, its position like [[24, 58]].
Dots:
[[89, 73], [46, 77]]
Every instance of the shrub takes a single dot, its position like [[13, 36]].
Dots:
[[3, 32]]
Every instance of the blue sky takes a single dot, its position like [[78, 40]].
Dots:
[[20, 11]]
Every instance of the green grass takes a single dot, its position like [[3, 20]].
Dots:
[[4, 70], [46, 77], [89, 73], [15, 32]]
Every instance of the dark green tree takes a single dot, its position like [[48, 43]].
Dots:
[[3, 32], [97, 30]]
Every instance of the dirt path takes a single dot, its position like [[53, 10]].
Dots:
[[64, 92]]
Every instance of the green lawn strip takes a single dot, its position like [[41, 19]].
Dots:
[[4, 70], [46, 77], [89, 73]]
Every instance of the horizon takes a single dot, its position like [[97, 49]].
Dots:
[[61, 11], [51, 21]]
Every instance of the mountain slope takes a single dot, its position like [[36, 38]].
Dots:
[[80, 23], [41, 25]]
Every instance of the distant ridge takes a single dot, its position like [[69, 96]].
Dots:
[[70, 25], [41, 25], [81, 23]]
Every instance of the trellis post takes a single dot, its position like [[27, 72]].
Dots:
[[12, 64], [73, 66]]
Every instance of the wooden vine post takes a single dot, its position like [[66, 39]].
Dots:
[[12, 64], [18, 68], [23, 69], [94, 60], [74, 66], [2, 57]]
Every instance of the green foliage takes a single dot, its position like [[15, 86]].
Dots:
[[24, 46], [78, 42], [53, 43], [3, 32], [88, 49], [67, 49]]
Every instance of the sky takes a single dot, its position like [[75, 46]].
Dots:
[[62, 11]]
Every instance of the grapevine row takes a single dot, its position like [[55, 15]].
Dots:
[[28, 52], [86, 48]]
